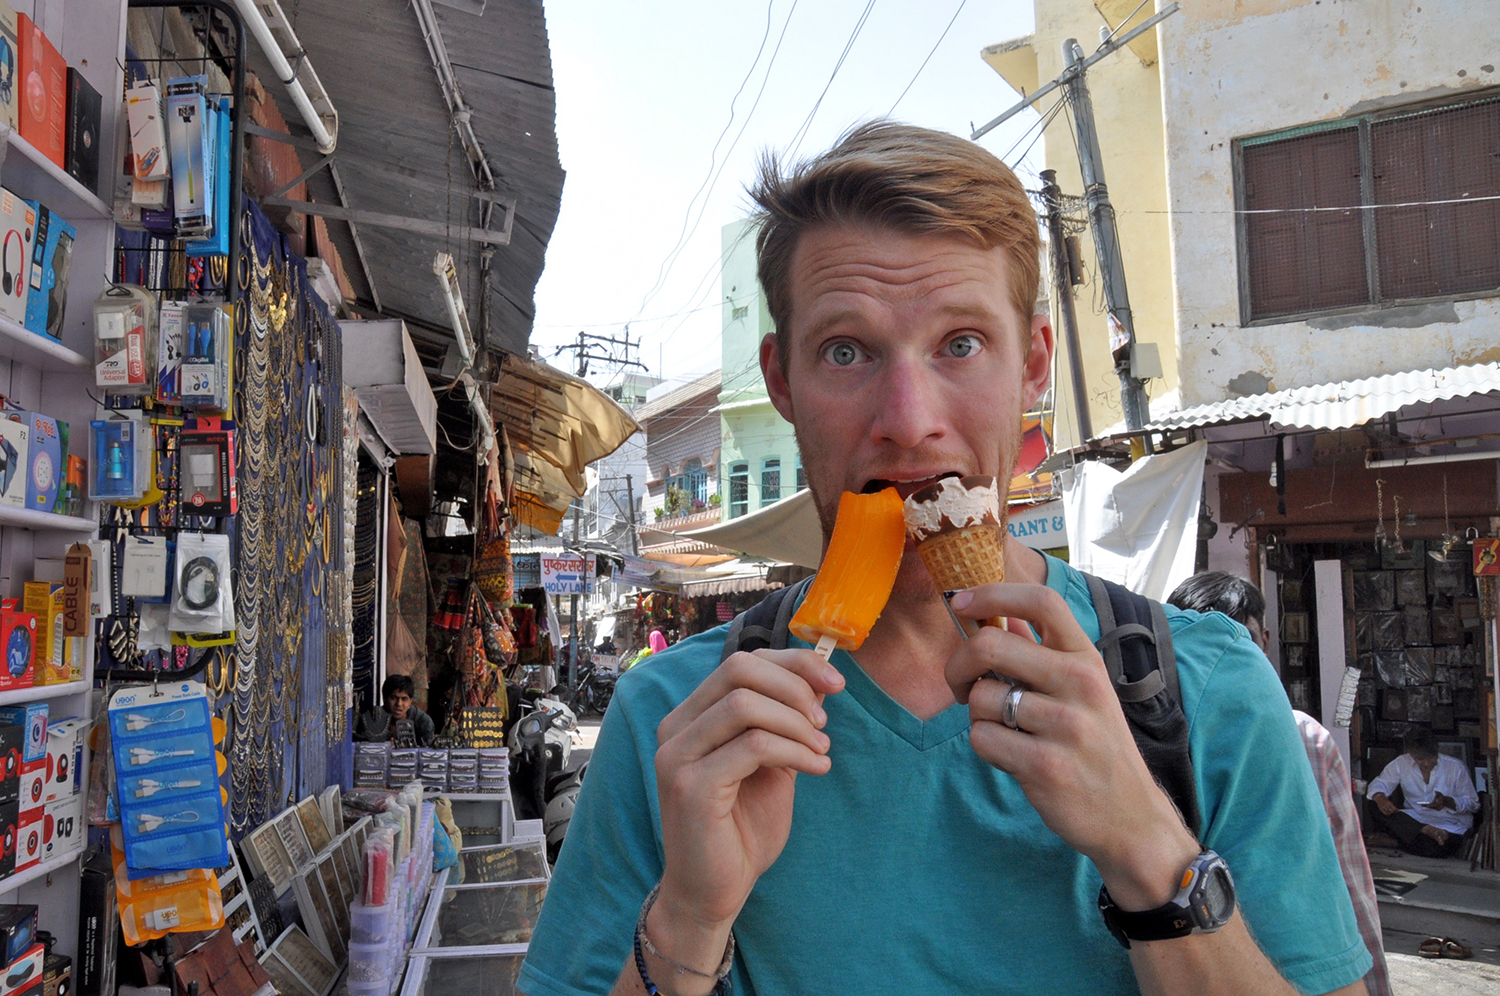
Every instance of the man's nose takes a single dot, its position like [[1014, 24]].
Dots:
[[911, 405]]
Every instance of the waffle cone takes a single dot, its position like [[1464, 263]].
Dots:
[[964, 558]]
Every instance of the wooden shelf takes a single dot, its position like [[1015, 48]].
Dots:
[[19, 343], [36, 871], [35, 177], [30, 519], [36, 693]]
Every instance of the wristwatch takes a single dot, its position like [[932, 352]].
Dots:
[[1203, 904]]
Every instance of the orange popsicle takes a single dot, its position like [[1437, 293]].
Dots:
[[857, 574]]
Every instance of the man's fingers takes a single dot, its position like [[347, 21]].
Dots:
[[1044, 609], [1014, 656], [745, 709], [1016, 753], [798, 678], [1036, 713], [755, 749]]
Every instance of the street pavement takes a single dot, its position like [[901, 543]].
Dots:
[[1414, 976]]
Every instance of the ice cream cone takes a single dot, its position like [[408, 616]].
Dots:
[[964, 558], [956, 526]]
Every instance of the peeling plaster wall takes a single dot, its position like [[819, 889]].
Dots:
[[1232, 68]]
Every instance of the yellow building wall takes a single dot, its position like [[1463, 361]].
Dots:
[[1126, 93]]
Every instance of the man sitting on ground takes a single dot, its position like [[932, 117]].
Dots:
[[1439, 796], [377, 725]]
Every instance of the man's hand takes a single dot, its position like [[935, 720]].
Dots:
[[726, 767], [1440, 801], [1073, 753], [1383, 803]]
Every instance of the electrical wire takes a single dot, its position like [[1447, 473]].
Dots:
[[801, 132], [930, 54]]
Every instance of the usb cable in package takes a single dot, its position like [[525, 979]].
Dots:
[[171, 806], [202, 598]]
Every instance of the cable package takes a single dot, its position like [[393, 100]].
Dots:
[[202, 599], [170, 803]]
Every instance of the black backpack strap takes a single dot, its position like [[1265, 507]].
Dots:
[[1135, 641], [764, 626]]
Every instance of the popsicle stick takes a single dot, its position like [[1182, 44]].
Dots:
[[826, 646]]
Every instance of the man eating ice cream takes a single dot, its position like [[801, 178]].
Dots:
[[893, 820]]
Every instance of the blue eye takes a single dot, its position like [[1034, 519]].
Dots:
[[961, 346], [842, 354]]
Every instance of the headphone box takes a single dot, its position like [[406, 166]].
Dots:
[[18, 225], [10, 45], [29, 837], [51, 263], [43, 84], [17, 930], [15, 456], [32, 719], [84, 117], [25, 973], [18, 645], [63, 827], [65, 740]]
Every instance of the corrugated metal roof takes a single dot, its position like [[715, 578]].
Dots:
[[397, 153], [1342, 405]]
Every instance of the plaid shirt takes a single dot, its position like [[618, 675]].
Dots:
[[1338, 800]]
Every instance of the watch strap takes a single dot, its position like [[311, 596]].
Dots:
[[1163, 923]]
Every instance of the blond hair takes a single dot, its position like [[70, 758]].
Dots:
[[909, 179]]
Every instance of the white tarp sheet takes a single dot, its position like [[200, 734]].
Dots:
[[1138, 527]]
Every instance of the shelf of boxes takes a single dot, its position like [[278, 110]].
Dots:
[[19, 343], [31, 174], [36, 871]]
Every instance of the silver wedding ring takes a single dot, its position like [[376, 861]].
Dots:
[[1011, 707]]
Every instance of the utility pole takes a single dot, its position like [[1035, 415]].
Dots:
[[1062, 295], [616, 352], [573, 603], [635, 536], [1106, 239]]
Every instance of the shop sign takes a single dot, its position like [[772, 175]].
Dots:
[[1041, 527], [1487, 557], [606, 663], [528, 569], [562, 575]]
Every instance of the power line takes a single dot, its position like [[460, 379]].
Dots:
[[801, 132], [930, 54]]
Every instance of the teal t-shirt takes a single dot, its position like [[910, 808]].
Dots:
[[916, 867]]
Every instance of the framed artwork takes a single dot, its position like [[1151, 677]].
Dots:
[[313, 824], [1455, 748], [1294, 627]]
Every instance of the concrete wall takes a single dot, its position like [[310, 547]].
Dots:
[[751, 429], [1126, 93], [689, 431], [1235, 68]]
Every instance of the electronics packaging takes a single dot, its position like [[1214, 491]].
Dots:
[[217, 243], [206, 468], [84, 117], [17, 930], [43, 84], [121, 462], [51, 263], [11, 739], [202, 599], [65, 759], [15, 457], [169, 353], [44, 460], [63, 827], [153, 905], [10, 45], [167, 779], [29, 838], [57, 976], [207, 332], [59, 658], [18, 643], [24, 975], [125, 341], [18, 222], [190, 137], [148, 134]]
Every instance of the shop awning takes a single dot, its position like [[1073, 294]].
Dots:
[[729, 578], [556, 425], [788, 531], [1341, 405]]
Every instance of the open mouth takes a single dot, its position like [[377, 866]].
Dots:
[[905, 487]]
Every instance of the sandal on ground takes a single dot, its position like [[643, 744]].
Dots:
[[1432, 947], [1453, 949]]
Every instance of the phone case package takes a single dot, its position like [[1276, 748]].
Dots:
[[167, 779]]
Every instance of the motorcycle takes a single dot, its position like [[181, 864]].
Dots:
[[593, 691], [540, 743]]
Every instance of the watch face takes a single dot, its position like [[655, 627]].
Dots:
[[1218, 894]]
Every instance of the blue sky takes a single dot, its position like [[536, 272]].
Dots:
[[643, 93]]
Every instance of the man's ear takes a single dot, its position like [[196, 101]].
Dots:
[[777, 387], [1038, 370]]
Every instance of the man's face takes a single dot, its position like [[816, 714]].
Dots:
[[397, 703], [908, 363], [1425, 764]]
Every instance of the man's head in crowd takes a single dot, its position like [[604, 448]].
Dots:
[[397, 691], [1216, 591]]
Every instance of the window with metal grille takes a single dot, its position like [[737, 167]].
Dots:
[[770, 481], [739, 489], [801, 475], [1382, 209]]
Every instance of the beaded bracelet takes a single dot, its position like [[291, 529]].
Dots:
[[721, 977]]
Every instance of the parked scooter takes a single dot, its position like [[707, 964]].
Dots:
[[592, 692], [540, 743]]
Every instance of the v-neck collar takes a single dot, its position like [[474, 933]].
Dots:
[[923, 735]]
